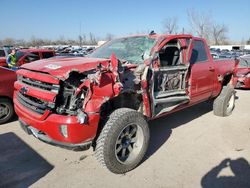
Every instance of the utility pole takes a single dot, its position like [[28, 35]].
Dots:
[[80, 35]]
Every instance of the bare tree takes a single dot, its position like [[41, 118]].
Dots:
[[9, 42], [33, 41], [200, 23], [80, 40], [248, 41], [243, 41], [170, 25], [109, 36], [84, 38], [219, 32], [61, 40], [71, 42], [21, 42], [36, 42], [92, 39]]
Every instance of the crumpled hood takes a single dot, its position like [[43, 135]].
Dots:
[[60, 67]]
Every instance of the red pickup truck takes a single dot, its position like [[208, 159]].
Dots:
[[105, 100], [28, 55], [243, 73], [8, 77]]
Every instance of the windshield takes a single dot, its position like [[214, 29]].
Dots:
[[132, 49], [244, 63]]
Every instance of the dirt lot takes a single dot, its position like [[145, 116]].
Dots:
[[192, 148]]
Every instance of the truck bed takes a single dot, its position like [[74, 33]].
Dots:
[[225, 66]]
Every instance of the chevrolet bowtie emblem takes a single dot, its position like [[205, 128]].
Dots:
[[24, 90]]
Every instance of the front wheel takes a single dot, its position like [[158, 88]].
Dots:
[[123, 141], [225, 102]]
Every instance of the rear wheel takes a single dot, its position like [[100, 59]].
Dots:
[[123, 141], [225, 102], [6, 110]]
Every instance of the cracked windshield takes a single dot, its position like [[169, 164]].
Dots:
[[132, 49]]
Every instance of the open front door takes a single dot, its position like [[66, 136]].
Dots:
[[169, 83]]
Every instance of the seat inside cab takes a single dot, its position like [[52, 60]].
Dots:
[[170, 86]]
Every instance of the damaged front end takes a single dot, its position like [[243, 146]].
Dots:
[[65, 109], [72, 94], [84, 93]]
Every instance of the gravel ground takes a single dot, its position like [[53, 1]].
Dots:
[[192, 148]]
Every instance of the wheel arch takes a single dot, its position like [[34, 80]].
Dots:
[[128, 99], [227, 79], [6, 97]]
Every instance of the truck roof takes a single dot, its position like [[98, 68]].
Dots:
[[156, 36], [161, 37], [36, 50]]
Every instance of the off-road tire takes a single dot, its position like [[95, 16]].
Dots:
[[7, 105], [106, 146], [224, 104]]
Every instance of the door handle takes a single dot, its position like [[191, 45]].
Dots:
[[211, 69]]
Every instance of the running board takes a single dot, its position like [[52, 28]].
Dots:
[[162, 94], [172, 99]]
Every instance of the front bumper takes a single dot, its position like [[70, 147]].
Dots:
[[49, 129], [43, 137]]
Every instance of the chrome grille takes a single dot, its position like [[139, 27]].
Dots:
[[39, 84]]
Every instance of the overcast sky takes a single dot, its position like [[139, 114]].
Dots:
[[51, 19]]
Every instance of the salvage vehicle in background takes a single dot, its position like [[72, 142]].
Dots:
[[28, 55], [3, 54], [105, 100], [8, 77], [243, 73], [2, 57], [215, 55]]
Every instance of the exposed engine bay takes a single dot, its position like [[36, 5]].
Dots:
[[67, 101]]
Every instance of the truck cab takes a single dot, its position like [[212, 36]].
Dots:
[[28, 55]]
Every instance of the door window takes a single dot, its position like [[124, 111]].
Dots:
[[47, 54], [199, 53], [34, 56]]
